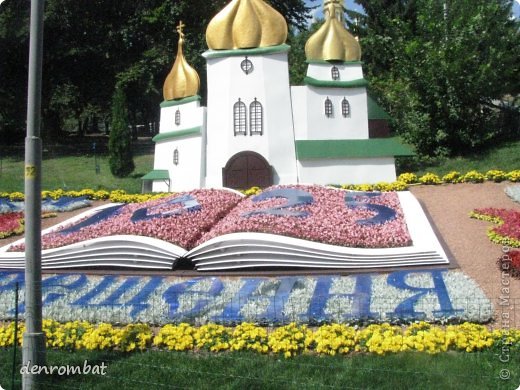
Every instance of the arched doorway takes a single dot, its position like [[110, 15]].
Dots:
[[245, 170]]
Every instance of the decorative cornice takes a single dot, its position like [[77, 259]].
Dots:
[[246, 52], [335, 83], [177, 102], [176, 134]]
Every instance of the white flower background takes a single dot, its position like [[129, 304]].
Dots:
[[160, 300]]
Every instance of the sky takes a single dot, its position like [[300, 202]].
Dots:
[[350, 4]]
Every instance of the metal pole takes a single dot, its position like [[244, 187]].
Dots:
[[15, 343], [33, 350]]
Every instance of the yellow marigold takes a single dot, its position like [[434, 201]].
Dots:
[[408, 178]]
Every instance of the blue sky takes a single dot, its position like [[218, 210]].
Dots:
[[351, 5]]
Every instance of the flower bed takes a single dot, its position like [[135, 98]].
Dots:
[[288, 340], [401, 296], [11, 224], [320, 214], [179, 219], [508, 230]]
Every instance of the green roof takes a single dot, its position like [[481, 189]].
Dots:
[[375, 111], [335, 83], [157, 174], [351, 148], [176, 102], [246, 52], [176, 134]]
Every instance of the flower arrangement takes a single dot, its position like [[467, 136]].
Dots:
[[11, 224], [452, 177], [473, 177], [496, 175], [400, 185], [289, 340], [167, 221], [408, 178], [430, 178], [508, 230], [510, 263], [326, 218]]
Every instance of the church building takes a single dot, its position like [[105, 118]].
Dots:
[[257, 130]]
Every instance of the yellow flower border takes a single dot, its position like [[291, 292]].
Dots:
[[289, 340], [401, 184]]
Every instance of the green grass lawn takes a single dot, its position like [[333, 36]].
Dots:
[[505, 157], [76, 172], [160, 369]]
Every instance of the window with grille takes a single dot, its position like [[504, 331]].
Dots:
[[246, 65], [328, 108], [256, 112], [239, 118], [345, 108], [335, 73], [177, 117]]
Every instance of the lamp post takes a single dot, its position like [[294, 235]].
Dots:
[[33, 352]]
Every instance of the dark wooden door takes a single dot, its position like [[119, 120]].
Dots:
[[245, 170]]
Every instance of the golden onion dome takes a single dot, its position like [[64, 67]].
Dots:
[[182, 81], [245, 24], [332, 42]]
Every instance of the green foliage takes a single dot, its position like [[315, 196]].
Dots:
[[440, 68], [120, 142]]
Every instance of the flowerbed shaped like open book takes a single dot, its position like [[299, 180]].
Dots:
[[284, 226]]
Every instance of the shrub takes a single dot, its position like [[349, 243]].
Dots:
[[120, 142]]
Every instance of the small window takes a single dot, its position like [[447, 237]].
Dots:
[[177, 117], [239, 118], [335, 73], [328, 108], [176, 157], [246, 65], [256, 112], [345, 108]]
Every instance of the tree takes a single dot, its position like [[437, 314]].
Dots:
[[120, 142], [440, 67]]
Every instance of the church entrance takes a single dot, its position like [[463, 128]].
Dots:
[[245, 170]]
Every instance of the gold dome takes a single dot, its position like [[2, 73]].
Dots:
[[332, 42], [244, 24], [182, 81]]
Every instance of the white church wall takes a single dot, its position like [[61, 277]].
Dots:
[[347, 72], [269, 84], [319, 126], [191, 115], [186, 174], [189, 172], [347, 171]]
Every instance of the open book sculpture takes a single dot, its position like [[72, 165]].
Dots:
[[218, 229]]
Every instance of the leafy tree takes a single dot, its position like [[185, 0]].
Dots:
[[120, 142], [441, 67]]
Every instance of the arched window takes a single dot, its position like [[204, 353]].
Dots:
[[328, 108], [345, 108], [335, 73], [176, 157], [177, 117], [239, 118], [256, 120]]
